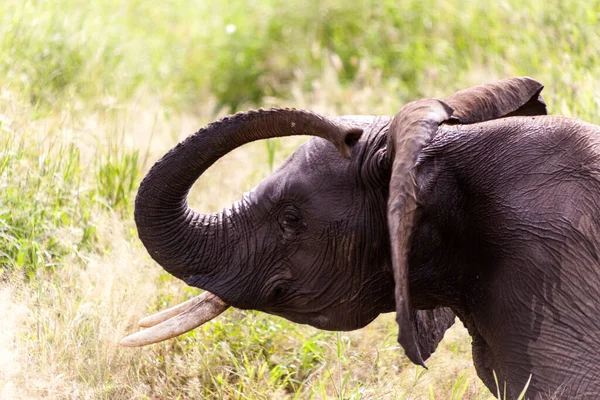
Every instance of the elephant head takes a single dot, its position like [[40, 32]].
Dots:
[[325, 239]]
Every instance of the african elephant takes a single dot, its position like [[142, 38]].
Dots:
[[479, 206]]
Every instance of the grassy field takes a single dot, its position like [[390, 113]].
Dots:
[[92, 93]]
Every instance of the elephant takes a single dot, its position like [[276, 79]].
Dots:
[[479, 206]]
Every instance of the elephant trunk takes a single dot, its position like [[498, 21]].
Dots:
[[184, 242], [191, 245]]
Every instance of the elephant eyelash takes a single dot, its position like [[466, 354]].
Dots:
[[291, 224], [290, 217]]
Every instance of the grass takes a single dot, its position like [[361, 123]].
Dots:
[[92, 93], [243, 52]]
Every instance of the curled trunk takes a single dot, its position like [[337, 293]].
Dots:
[[191, 245], [187, 243]]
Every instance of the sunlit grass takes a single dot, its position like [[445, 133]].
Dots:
[[242, 52]]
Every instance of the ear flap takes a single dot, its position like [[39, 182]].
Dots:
[[430, 327], [504, 98], [410, 131]]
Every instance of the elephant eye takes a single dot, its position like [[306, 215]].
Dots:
[[290, 218], [291, 223]]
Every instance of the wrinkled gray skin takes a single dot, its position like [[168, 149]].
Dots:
[[454, 207]]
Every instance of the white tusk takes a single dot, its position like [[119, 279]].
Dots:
[[164, 315], [177, 320]]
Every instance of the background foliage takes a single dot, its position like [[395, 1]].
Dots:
[[92, 92]]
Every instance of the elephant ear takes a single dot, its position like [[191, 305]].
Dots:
[[411, 130], [430, 327], [503, 98]]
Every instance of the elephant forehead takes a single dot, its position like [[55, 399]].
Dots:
[[319, 155], [315, 171], [302, 173], [317, 166]]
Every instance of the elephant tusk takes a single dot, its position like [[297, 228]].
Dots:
[[176, 320], [164, 315]]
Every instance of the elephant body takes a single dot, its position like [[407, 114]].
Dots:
[[509, 229], [508, 238], [478, 206]]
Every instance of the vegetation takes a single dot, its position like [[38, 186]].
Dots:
[[91, 93]]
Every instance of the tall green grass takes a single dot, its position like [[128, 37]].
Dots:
[[243, 51], [41, 196], [48, 195]]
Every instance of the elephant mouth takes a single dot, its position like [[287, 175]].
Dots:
[[176, 320]]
